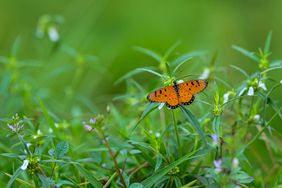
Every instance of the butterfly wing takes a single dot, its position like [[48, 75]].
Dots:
[[188, 89], [167, 95]]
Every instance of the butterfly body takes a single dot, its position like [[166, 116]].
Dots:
[[178, 94]]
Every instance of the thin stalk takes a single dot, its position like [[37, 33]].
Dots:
[[114, 159], [176, 133]]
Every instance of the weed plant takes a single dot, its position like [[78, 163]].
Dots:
[[228, 137]]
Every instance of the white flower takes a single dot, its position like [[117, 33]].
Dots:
[[50, 130], [262, 85], [251, 91], [235, 162], [25, 164], [161, 105], [53, 34], [158, 134], [242, 91], [205, 74], [56, 124], [150, 132], [256, 117], [280, 81], [217, 164], [225, 97], [179, 81]]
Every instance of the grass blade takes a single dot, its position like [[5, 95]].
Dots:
[[195, 123], [247, 53], [149, 182], [88, 175], [180, 64], [171, 49], [17, 173]]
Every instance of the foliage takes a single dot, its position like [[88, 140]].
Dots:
[[222, 140]]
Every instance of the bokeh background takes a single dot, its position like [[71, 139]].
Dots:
[[109, 30], [68, 54]]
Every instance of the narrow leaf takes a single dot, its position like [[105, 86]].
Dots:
[[17, 173], [137, 71], [88, 175], [150, 53], [186, 57], [171, 49], [247, 53], [150, 181], [267, 43], [195, 123], [240, 70]]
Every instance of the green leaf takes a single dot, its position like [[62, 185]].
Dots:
[[88, 175], [186, 57], [251, 55], [150, 181], [151, 106], [46, 182], [16, 46], [180, 64], [61, 149], [240, 70], [136, 185], [150, 53], [48, 118], [195, 123], [171, 49], [243, 177], [267, 43], [16, 174], [137, 71]]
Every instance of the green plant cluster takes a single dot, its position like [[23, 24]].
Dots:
[[227, 137]]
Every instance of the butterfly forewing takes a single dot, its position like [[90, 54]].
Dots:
[[192, 86]]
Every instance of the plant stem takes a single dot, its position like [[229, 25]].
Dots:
[[114, 159], [176, 133]]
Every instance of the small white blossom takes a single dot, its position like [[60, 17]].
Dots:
[[28, 144], [25, 164], [280, 81], [257, 117], [217, 164], [251, 91], [158, 134], [161, 105], [179, 81], [235, 162], [150, 132], [242, 91], [205, 74], [50, 130], [262, 85], [225, 97], [53, 34], [56, 125]]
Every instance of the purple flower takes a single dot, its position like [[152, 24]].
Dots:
[[217, 164], [215, 139]]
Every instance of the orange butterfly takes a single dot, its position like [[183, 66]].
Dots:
[[178, 94]]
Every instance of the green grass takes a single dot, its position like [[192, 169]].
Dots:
[[229, 137]]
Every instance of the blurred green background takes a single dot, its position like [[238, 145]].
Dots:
[[108, 30]]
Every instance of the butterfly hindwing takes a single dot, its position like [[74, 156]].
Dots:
[[165, 95]]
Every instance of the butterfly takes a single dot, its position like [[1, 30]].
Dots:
[[178, 94]]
